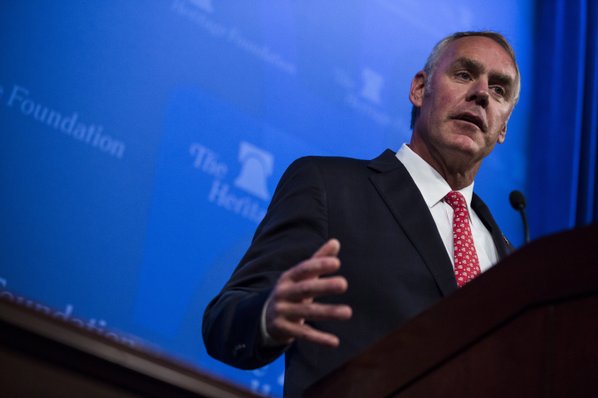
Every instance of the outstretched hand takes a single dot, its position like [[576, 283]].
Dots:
[[291, 302]]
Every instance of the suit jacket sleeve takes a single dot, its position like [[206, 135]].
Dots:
[[292, 230]]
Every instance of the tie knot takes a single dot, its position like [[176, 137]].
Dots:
[[456, 200]]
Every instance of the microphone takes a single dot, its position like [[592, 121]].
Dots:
[[518, 203]]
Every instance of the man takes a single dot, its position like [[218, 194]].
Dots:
[[296, 292]]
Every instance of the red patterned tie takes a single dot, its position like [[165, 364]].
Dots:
[[467, 265]]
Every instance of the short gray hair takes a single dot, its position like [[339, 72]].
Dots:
[[440, 47]]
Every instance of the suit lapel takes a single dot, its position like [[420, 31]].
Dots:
[[399, 192], [503, 247]]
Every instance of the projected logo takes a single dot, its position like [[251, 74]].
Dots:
[[21, 101], [256, 166], [364, 95], [201, 13], [372, 85]]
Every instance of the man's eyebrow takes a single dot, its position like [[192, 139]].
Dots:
[[469, 64], [477, 67], [502, 79]]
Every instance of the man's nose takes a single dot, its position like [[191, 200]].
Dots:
[[479, 93]]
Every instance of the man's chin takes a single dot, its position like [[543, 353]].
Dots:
[[465, 144]]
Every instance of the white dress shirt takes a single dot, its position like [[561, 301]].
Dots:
[[434, 188]]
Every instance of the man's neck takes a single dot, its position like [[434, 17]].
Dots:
[[458, 171]]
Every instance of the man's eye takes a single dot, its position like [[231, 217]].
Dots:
[[499, 90], [463, 75]]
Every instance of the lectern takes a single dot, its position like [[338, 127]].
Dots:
[[526, 328], [41, 356]]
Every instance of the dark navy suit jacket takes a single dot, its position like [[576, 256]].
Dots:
[[391, 254]]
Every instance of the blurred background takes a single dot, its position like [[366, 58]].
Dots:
[[142, 141]]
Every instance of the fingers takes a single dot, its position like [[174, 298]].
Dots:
[[312, 268], [291, 302], [323, 262], [303, 331], [313, 311], [289, 323], [308, 289], [330, 248]]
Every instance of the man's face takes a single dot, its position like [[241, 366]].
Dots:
[[466, 105]]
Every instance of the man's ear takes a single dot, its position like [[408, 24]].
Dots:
[[502, 134], [418, 86]]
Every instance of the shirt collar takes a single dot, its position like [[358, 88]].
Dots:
[[430, 183]]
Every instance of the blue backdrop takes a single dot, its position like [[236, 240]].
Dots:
[[141, 141], [564, 153]]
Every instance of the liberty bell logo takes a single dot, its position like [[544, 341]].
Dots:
[[372, 85], [256, 167]]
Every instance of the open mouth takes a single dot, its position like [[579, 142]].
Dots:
[[468, 117]]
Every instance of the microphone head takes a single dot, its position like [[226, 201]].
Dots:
[[517, 200]]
